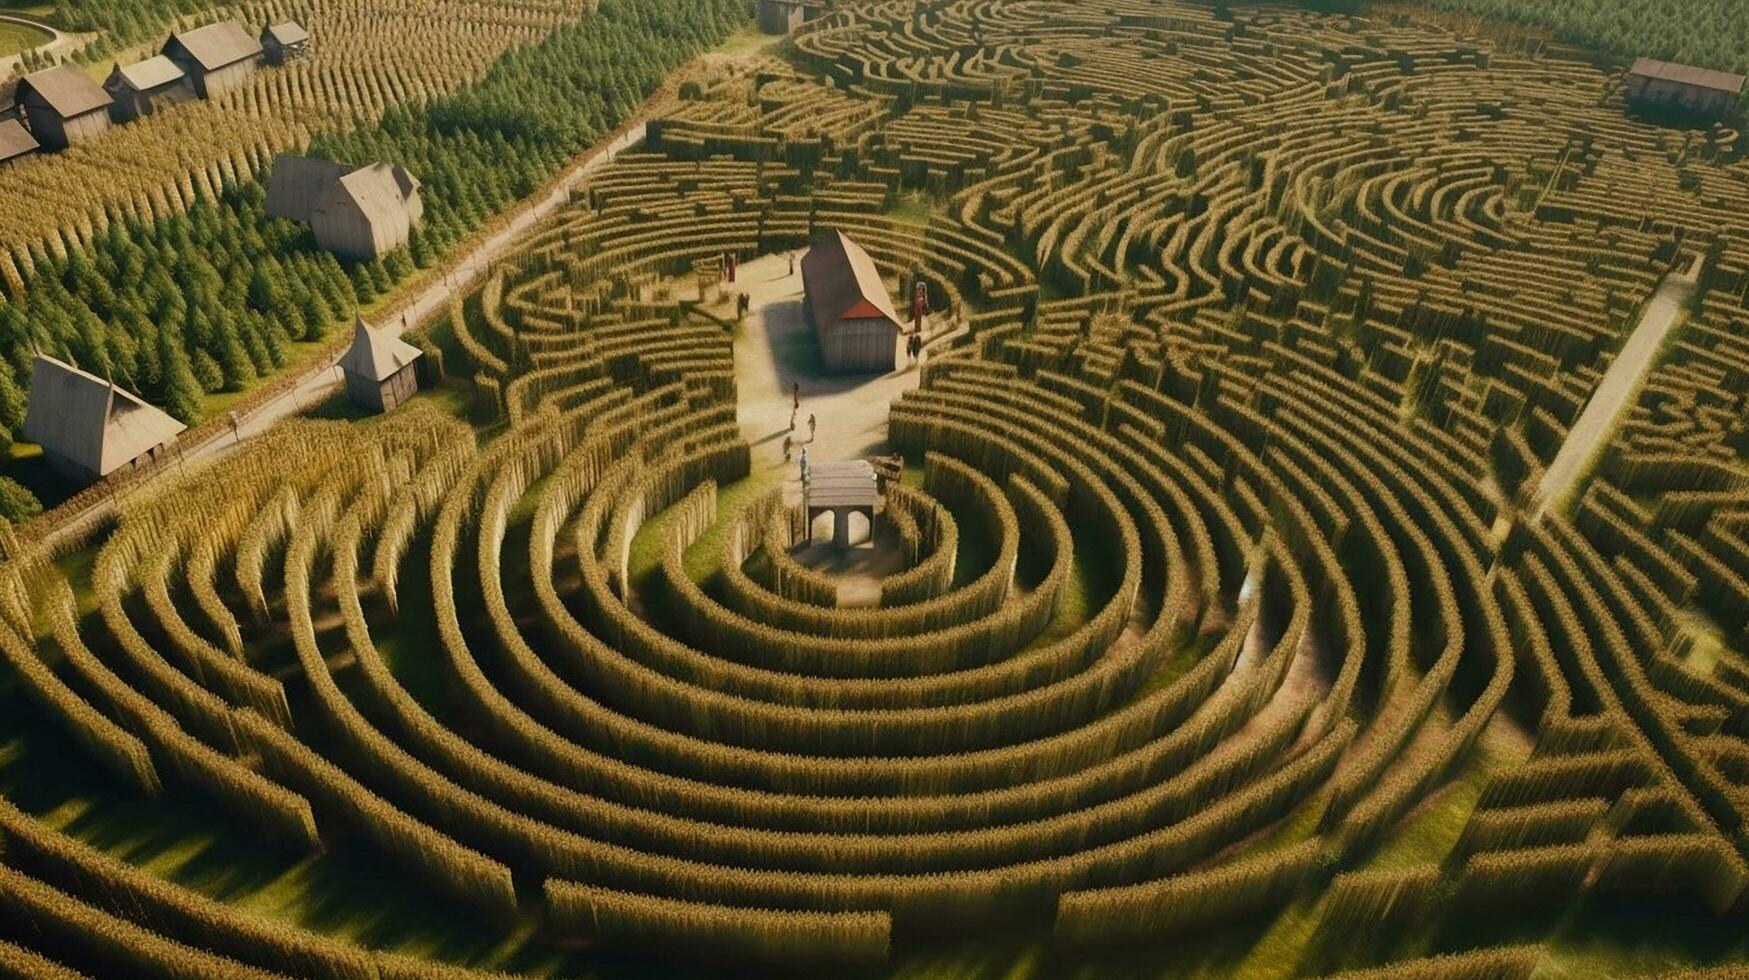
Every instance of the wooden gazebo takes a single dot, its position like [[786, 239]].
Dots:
[[843, 487]]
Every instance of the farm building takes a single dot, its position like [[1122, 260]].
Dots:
[[1671, 86], [780, 16], [217, 58], [848, 307], [16, 143], [63, 106], [355, 212], [283, 42], [842, 488], [143, 88], [88, 427], [380, 369]]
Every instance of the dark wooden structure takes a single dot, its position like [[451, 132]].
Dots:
[[1666, 85], [285, 42], [142, 88], [842, 487], [16, 143], [62, 106], [848, 307], [217, 58]]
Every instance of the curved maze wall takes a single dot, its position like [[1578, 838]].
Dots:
[[1261, 328]]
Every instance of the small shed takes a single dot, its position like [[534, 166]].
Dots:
[[380, 369], [63, 106], [848, 307], [284, 42], [780, 16], [16, 143], [1667, 85], [842, 487], [357, 213], [217, 58], [144, 87], [88, 427]]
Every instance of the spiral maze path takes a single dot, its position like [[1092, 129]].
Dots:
[[1255, 331]]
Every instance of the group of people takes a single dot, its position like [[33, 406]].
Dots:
[[789, 440]]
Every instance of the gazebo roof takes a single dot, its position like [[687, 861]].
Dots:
[[842, 483]]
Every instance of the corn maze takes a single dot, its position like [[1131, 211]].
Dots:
[[1254, 330]]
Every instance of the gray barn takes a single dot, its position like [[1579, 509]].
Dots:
[[283, 42], [16, 143], [88, 427], [848, 307], [217, 58], [380, 369], [144, 87], [1672, 86], [357, 213], [63, 106]]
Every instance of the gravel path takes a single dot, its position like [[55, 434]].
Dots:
[[1614, 395]]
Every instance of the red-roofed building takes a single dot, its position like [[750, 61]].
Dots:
[[848, 307]]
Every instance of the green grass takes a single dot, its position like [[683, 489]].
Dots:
[[16, 37]]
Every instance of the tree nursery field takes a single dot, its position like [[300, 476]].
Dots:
[[1320, 548]]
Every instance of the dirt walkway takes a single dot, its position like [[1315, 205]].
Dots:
[[1616, 393]]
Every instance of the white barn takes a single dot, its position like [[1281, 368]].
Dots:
[[357, 213], [88, 427]]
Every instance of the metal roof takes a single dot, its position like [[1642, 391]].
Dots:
[[843, 283], [15, 140], [216, 45], [66, 89], [842, 483], [149, 74], [377, 354], [89, 420], [1718, 81]]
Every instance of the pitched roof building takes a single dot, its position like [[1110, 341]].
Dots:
[[63, 106], [16, 143], [217, 58], [379, 368], [1670, 85], [283, 42], [355, 212], [88, 427], [848, 306], [144, 87]]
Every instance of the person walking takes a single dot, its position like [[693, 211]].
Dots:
[[787, 444], [795, 394], [792, 263], [804, 467], [810, 426]]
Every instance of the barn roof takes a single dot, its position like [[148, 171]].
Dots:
[[842, 483], [297, 185], [217, 45], [149, 74], [89, 420], [286, 34], [1719, 81], [15, 140], [379, 191], [843, 283], [66, 89], [377, 354]]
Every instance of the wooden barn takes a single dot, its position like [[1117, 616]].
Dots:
[[1665, 85], [16, 143], [144, 87], [63, 105], [355, 212], [780, 16], [380, 368], [88, 427], [285, 42], [848, 307], [217, 58]]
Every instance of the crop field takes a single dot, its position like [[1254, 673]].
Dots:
[[1240, 621]]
